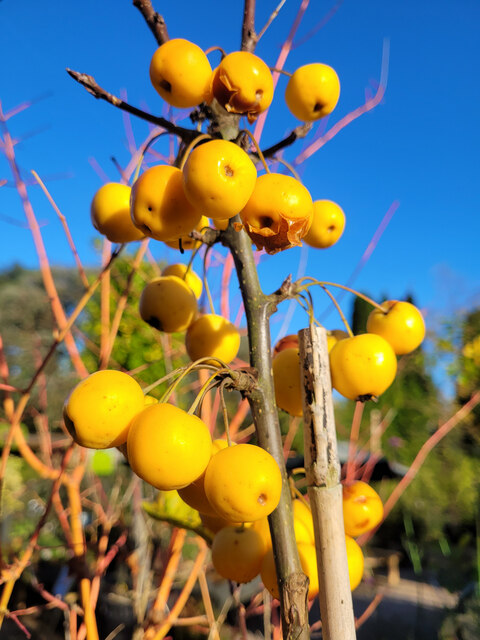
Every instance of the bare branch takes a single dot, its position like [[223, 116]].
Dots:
[[299, 132], [271, 19], [249, 37], [96, 90], [154, 20]]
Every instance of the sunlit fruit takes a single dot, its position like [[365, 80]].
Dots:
[[159, 207], [168, 304], [237, 553], [312, 92], [181, 73], [363, 366], [194, 494], [303, 522], [168, 447], [243, 483], [243, 84], [327, 225], [333, 336], [287, 381], [110, 213], [219, 178], [308, 562], [355, 562], [188, 275], [150, 400], [99, 410], [400, 323], [186, 242], [279, 212], [287, 342], [212, 336], [362, 508]]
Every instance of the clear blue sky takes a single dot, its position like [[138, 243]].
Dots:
[[420, 146]]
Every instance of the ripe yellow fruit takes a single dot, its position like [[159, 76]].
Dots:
[[190, 277], [334, 336], [355, 562], [159, 206], [287, 381], [327, 225], [168, 304], [237, 553], [219, 178], [243, 84], [99, 410], [312, 92], [400, 323], [362, 508], [168, 447], [362, 366], [308, 562], [150, 400], [243, 483], [194, 493], [279, 212], [212, 336], [215, 523], [181, 73], [110, 213], [187, 242], [302, 525]]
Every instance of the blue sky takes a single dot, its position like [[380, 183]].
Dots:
[[420, 146]]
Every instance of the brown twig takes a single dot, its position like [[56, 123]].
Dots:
[[299, 132], [154, 20], [249, 37]]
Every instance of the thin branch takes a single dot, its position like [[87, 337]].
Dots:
[[271, 19], [299, 132], [249, 37], [90, 84], [154, 20]]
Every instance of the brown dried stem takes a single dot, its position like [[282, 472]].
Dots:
[[249, 37], [154, 20]]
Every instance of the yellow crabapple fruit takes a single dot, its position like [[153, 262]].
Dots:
[[212, 336], [333, 336], [243, 483], [308, 562], [188, 275], [362, 508], [150, 400], [215, 523], [303, 522], [221, 224], [181, 73], [186, 241], [243, 84], [279, 212], [363, 366], [168, 447], [355, 562], [327, 225], [287, 342], [400, 323], [158, 204], [287, 381], [194, 494], [110, 213], [237, 553], [219, 178], [312, 92], [168, 304], [99, 410]]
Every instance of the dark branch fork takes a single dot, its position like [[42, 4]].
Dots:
[[154, 20]]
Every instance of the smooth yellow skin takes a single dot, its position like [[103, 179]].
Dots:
[[100, 408], [362, 508], [401, 324], [168, 304], [355, 562], [287, 381], [237, 553], [219, 178], [158, 204], [220, 224], [243, 83], [150, 400], [215, 523], [243, 483], [362, 366], [302, 524], [327, 225], [110, 213], [167, 447], [187, 241], [308, 562], [279, 212], [212, 335], [181, 73], [334, 336], [190, 277], [312, 92], [194, 493]]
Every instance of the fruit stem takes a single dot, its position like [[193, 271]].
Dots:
[[216, 48], [282, 71], [259, 151], [343, 286], [205, 282], [225, 413], [205, 388], [144, 151], [193, 143], [339, 309], [194, 366], [289, 166]]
